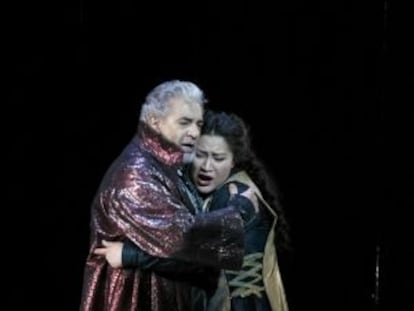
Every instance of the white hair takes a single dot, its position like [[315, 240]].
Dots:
[[156, 102]]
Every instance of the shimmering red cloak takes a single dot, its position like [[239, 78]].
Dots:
[[140, 199]]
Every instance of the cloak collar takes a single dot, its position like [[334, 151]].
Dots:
[[156, 144]]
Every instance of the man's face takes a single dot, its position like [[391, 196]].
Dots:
[[212, 163], [182, 124]]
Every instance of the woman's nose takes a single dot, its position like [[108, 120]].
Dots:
[[207, 164]]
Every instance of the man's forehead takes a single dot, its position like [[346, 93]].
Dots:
[[189, 110], [181, 103]]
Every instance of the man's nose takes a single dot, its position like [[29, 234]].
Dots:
[[194, 131]]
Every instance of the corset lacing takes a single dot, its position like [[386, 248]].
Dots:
[[249, 280]]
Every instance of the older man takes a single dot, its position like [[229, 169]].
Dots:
[[142, 199]]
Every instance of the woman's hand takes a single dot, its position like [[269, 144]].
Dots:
[[112, 252]]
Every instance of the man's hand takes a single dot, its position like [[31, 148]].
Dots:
[[112, 252], [248, 194]]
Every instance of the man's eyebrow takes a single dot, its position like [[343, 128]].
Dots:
[[185, 119]]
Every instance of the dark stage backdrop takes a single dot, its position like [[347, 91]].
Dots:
[[325, 87]]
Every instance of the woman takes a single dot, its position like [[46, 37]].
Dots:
[[223, 167]]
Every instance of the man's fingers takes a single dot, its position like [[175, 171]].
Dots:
[[232, 189], [251, 195]]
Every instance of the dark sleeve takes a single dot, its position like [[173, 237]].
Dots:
[[202, 276], [135, 257]]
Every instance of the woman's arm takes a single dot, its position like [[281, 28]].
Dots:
[[128, 255]]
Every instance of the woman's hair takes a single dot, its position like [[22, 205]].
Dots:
[[236, 133], [156, 102]]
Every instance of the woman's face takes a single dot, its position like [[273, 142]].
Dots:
[[212, 163]]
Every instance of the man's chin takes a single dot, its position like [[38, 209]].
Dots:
[[188, 157]]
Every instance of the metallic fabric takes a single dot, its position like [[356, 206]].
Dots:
[[140, 199]]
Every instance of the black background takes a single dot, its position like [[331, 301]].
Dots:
[[325, 86]]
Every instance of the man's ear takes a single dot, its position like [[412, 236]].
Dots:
[[153, 121]]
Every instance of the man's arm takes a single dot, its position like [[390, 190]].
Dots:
[[149, 212]]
